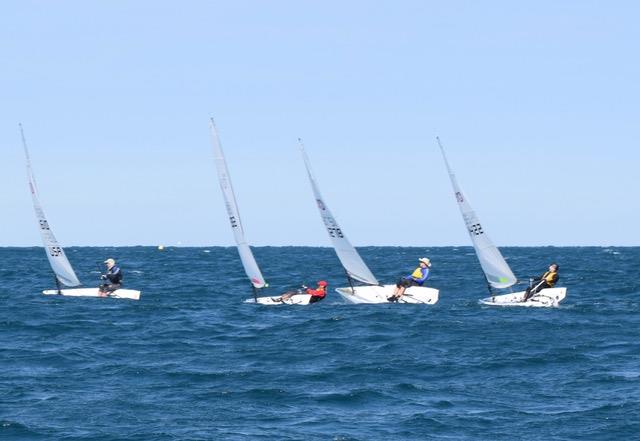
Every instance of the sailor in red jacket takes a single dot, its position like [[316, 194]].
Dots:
[[319, 293], [316, 294]]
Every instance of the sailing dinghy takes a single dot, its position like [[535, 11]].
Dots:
[[371, 291], [497, 272], [251, 268], [65, 277]]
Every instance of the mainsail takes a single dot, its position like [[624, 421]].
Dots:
[[246, 256], [495, 268], [57, 259], [349, 257]]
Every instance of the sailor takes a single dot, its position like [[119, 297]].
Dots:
[[416, 278], [316, 294], [113, 278], [547, 280], [319, 293]]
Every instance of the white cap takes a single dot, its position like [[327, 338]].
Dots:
[[111, 261], [426, 261]]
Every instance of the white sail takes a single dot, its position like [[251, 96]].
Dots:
[[495, 268], [349, 257], [57, 258], [246, 256]]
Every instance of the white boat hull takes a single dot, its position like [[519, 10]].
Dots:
[[380, 294], [547, 298], [93, 292], [297, 299]]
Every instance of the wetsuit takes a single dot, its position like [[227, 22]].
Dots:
[[317, 294], [548, 280], [416, 278], [114, 276]]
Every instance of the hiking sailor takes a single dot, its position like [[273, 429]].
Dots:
[[316, 294], [416, 278], [547, 280]]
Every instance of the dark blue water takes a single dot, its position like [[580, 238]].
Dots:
[[190, 361]]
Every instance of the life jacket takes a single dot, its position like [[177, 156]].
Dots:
[[420, 275], [114, 274], [551, 277], [321, 291]]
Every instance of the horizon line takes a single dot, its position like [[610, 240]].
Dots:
[[323, 246]]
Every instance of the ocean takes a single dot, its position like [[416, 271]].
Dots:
[[191, 361]]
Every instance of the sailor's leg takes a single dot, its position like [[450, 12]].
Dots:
[[394, 296], [287, 295], [401, 286], [535, 290], [110, 288], [408, 283], [539, 287]]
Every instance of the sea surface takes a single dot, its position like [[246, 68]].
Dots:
[[191, 361]]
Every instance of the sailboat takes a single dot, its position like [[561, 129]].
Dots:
[[65, 277], [497, 272], [371, 291], [251, 268]]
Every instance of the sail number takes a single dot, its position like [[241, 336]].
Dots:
[[476, 229], [234, 222], [332, 225], [55, 251], [44, 225]]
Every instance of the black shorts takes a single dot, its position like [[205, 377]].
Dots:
[[406, 283], [315, 299], [110, 287]]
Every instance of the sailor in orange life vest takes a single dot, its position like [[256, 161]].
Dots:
[[548, 280], [316, 294], [416, 278]]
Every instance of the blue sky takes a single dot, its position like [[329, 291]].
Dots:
[[537, 104]]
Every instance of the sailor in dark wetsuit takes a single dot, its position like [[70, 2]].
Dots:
[[113, 278], [548, 280]]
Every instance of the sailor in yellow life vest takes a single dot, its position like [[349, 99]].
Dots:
[[548, 280], [416, 278]]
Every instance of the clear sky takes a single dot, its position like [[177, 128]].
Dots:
[[536, 102]]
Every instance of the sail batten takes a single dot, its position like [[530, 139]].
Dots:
[[347, 254], [55, 254], [495, 268], [244, 250]]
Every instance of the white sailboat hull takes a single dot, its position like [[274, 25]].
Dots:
[[380, 294], [94, 292], [547, 298], [298, 299]]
